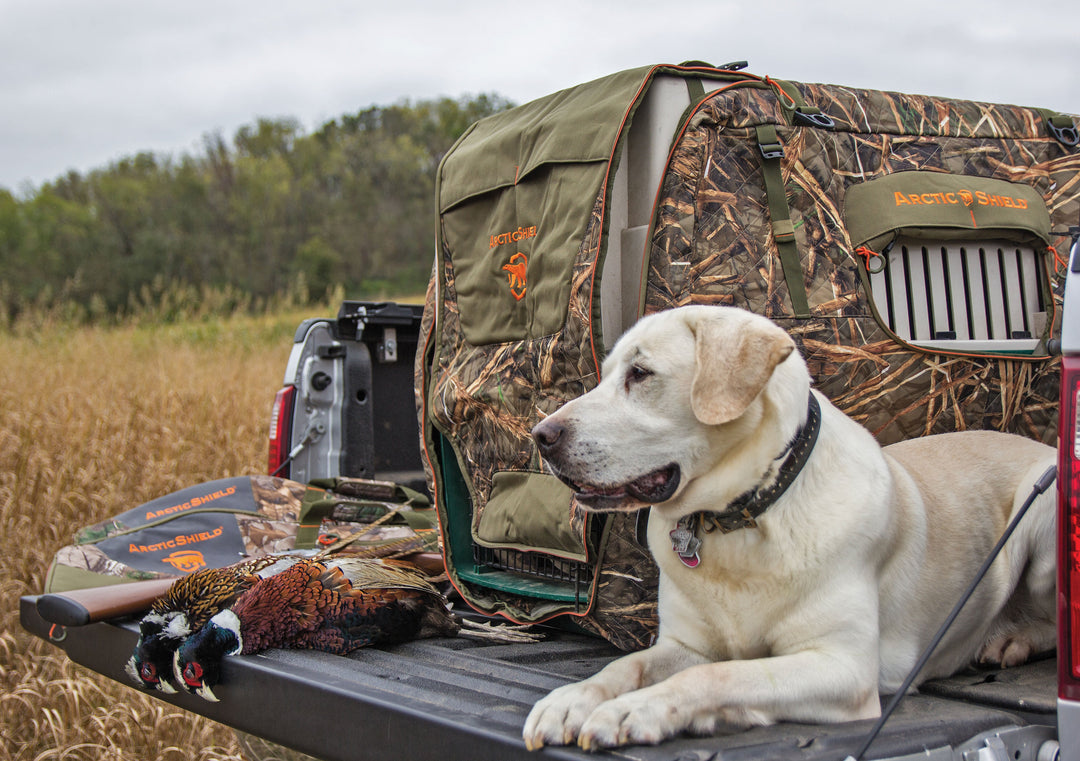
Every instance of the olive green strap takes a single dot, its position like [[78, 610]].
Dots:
[[772, 151], [318, 505], [695, 89], [314, 507]]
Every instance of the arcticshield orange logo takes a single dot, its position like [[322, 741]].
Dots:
[[957, 197], [516, 274], [196, 501], [513, 236], [186, 561]]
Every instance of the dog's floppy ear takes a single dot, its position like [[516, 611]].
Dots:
[[734, 361]]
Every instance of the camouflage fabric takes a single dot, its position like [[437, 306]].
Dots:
[[712, 244], [268, 524], [486, 399]]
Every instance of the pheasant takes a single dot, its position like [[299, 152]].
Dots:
[[186, 607], [335, 605]]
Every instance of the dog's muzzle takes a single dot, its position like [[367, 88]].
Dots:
[[654, 487]]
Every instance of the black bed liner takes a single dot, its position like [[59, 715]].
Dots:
[[447, 699]]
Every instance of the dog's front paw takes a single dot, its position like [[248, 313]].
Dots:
[[636, 718], [557, 718]]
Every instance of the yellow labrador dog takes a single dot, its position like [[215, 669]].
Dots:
[[803, 568]]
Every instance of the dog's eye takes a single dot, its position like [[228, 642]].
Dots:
[[636, 374]]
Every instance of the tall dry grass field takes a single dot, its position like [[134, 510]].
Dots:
[[94, 421]]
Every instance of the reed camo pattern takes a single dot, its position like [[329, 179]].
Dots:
[[712, 243]]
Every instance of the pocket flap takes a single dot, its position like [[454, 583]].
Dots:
[[942, 206], [530, 511]]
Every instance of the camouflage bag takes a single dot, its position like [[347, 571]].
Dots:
[[864, 222], [218, 523]]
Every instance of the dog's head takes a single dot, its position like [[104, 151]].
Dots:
[[679, 389]]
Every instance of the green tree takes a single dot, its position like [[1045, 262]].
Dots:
[[350, 204]]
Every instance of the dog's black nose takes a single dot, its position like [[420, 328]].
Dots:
[[548, 434]]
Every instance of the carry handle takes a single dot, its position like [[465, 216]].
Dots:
[[800, 113], [1060, 127]]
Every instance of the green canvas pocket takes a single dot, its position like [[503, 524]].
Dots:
[[529, 511], [942, 206], [513, 273]]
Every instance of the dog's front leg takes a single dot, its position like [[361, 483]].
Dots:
[[810, 686], [557, 719]]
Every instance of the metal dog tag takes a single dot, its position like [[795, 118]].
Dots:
[[682, 539], [685, 544]]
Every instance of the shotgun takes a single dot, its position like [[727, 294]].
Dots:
[[86, 606]]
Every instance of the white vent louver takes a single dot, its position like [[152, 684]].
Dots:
[[981, 296]]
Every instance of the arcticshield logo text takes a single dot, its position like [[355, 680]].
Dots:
[[513, 236], [959, 197], [179, 540], [191, 504], [516, 274]]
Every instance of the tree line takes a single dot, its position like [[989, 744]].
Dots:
[[349, 205]]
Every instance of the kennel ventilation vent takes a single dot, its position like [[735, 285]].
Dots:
[[974, 296]]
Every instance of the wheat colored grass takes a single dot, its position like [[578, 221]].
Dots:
[[94, 421]]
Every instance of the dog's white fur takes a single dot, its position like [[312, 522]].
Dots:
[[836, 592]]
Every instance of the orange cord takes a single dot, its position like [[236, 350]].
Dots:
[[1058, 261], [867, 253]]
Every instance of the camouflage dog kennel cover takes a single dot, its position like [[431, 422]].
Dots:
[[806, 203]]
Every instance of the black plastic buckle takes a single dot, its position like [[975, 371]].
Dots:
[[772, 150], [1064, 135], [813, 119]]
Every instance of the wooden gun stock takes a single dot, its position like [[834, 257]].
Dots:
[[85, 606], [431, 563]]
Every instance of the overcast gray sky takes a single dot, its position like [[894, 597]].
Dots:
[[86, 82]]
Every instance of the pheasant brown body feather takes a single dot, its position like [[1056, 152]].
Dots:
[[205, 592], [336, 605]]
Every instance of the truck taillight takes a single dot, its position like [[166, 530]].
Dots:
[[281, 432], [1069, 531]]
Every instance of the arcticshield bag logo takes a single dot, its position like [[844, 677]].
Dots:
[[185, 561], [186, 543], [517, 274], [961, 196]]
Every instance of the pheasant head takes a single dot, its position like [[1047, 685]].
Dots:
[[197, 662], [150, 665]]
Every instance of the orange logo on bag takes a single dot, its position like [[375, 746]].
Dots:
[[955, 198], [186, 561], [194, 502], [513, 236], [178, 541], [516, 274]]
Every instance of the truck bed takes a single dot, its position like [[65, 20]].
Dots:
[[453, 698]]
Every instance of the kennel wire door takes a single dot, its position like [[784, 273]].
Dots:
[[984, 296]]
